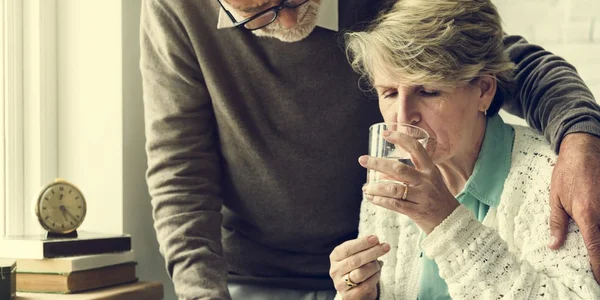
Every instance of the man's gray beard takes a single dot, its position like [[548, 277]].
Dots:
[[307, 21]]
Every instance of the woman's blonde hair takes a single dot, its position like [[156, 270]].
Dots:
[[433, 42]]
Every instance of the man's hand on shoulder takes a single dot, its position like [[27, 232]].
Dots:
[[575, 192]]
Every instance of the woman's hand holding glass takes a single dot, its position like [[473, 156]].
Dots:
[[425, 198], [354, 267]]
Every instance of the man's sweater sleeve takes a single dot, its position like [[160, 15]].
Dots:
[[549, 93], [183, 162]]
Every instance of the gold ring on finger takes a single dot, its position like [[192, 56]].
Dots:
[[349, 282], [405, 192]]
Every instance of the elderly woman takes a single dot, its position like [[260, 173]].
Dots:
[[471, 220]]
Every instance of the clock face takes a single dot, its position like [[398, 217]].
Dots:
[[61, 208]]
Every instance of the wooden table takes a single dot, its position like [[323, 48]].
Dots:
[[139, 290]]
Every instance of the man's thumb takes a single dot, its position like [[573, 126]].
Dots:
[[559, 221]]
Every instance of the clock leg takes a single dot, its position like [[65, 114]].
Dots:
[[54, 235]]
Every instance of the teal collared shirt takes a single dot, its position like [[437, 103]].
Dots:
[[482, 191]]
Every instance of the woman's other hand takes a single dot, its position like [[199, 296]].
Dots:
[[356, 260]]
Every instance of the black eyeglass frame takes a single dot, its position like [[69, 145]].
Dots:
[[282, 5]]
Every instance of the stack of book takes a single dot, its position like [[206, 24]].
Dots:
[[70, 265], [133, 291]]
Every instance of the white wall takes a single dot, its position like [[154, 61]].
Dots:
[[90, 107], [100, 122], [568, 28]]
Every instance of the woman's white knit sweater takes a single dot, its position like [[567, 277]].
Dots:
[[505, 257]]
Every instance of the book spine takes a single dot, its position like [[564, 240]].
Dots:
[[86, 247]]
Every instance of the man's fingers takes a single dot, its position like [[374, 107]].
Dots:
[[352, 247], [559, 222], [591, 237]]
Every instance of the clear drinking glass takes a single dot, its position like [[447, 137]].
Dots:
[[380, 147]]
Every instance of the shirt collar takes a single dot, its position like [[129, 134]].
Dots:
[[327, 18], [493, 163]]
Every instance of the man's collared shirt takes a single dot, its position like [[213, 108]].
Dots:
[[327, 17]]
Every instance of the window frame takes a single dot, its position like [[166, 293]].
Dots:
[[2, 132], [13, 117], [29, 158], [40, 99]]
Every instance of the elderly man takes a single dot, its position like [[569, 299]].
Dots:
[[240, 123]]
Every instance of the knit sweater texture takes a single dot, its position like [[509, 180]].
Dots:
[[504, 257], [252, 143]]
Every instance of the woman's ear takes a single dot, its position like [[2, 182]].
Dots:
[[486, 86]]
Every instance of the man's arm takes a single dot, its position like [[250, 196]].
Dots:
[[183, 163], [549, 94]]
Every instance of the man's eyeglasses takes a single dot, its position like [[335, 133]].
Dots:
[[264, 17]]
